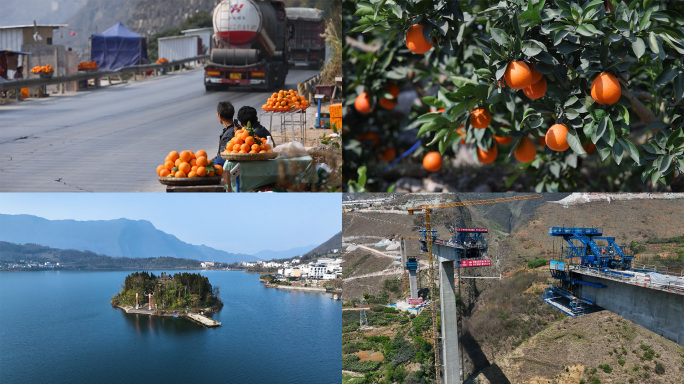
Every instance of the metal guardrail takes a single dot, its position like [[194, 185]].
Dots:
[[17, 84]]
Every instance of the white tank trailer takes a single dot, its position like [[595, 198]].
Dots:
[[251, 45]]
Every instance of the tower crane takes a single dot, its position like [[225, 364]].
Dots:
[[429, 234]]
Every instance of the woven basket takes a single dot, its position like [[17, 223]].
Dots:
[[186, 181], [248, 156]]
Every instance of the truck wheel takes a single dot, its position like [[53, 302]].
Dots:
[[210, 87]]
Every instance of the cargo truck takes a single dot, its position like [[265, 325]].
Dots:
[[307, 45], [251, 45]]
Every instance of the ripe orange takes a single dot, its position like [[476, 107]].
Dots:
[[178, 162], [589, 148], [192, 174], [194, 168], [219, 171], [193, 162], [389, 155], [518, 75], [503, 140], [185, 156], [249, 140], [369, 136], [169, 165], [200, 153], [159, 168], [480, 118], [173, 155], [185, 168], [432, 161], [487, 157], [245, 147], [525, 151], [605, 89], [255, 147], [387, 103], [462, 132], [180, 174], [362, 103], [536, 90], [202, 161], [201, 171], [164, 172], [415, 41], [536, 76], [556, 137]]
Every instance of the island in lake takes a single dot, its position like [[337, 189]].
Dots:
[[180, 295]]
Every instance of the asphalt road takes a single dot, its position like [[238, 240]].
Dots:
[[112, 139]]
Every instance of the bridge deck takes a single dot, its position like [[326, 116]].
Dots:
[[650, 280]]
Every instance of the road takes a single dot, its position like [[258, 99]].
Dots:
[[111, 139]]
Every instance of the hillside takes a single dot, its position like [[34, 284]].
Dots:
[[117, 238], [72, 259], [504, 321]]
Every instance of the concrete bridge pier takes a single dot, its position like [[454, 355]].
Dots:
[[447, 299]]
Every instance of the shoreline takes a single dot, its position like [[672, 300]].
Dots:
[[198, 318], [296, 288]]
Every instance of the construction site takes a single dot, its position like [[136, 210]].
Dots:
[[510, 288]]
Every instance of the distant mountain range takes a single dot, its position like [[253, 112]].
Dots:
[[116, 238]]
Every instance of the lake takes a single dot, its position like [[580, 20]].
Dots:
[[59, 326]]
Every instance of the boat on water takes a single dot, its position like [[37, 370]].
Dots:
[[335, 297]]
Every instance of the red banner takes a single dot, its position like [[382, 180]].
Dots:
[[479, 230], [476, 263]]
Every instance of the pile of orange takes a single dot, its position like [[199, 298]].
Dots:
[[162, 61], [188, 164], [283, 101], [245, 141], [42, 69], [83, 65]]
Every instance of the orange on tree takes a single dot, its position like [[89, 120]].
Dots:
[[536, 76], [432, 161], [461, 131], [363, 103], [518, 75], [488, 156], [480, 118], [415, 41], [372, 136], [390, 103], [389, 155], [537, 90], [556, 137], [605, 89], [589, 148], [503, 140], [526, 151]]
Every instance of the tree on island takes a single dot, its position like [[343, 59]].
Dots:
[[177, 292]]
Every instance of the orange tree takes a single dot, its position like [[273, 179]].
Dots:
[[608, 75]]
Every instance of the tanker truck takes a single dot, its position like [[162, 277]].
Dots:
[[251, 45]]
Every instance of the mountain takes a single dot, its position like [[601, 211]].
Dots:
[[270, 255], [71, 259], [328, 246], [116, 238]]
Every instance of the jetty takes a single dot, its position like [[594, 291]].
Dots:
[[207, 322]]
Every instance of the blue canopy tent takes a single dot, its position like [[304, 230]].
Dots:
[[118, 47]]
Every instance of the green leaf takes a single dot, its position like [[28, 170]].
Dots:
[[591, 28], [362, 176], [651, 149], [589, 6], [665, 164], [601, 130], [646, 19], [618, 152], [431, 126], [574, 142], [429, 117], [571, 113], [438, 137], [500, 36], [364, 11], [582, 30], [483, 72], [516, 25], [665, 77], [654, 177], [639, 47], [555, 169], [631, 149], [433, 102], [531, 48], [655, 125]]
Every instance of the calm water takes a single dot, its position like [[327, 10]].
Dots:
[[59, 327]]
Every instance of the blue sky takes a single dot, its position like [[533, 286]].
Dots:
[[240, 223]]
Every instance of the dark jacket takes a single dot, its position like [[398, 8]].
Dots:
[[226, 135]]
